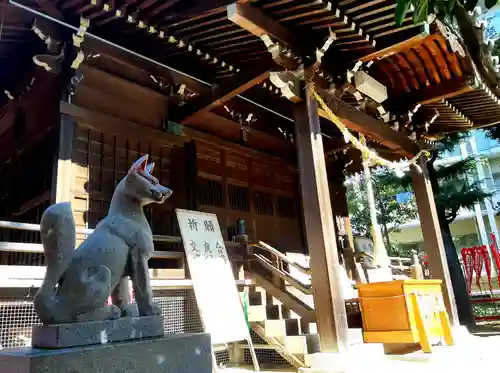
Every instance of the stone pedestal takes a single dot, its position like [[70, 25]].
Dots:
[[96, 332], [180, 353]]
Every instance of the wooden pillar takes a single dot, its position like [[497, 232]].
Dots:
[[329, 303], [433, 241], [62, 178]]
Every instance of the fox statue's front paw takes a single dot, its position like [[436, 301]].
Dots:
[[130, 310], [150, 310]]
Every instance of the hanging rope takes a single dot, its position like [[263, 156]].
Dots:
[[369, 155]]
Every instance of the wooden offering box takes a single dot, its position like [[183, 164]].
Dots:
[[404, 312]]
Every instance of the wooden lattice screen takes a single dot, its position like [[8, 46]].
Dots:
[[260, 189], [100, 161]]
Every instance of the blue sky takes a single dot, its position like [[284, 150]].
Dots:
[[496, 19]]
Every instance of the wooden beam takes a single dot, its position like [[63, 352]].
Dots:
[[257, 23], [434, 246], [103, 122], [106, 123], [220, 95], [329, 303], [62, 176], [50, 8], [219, 126], [123, 57], [360, 122], [433, 93]]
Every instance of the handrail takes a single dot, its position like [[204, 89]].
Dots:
[[281, 256], [23, 247], [35, 248], [36, 228], [283, 275]]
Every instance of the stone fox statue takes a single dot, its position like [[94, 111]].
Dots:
[[78, 282]]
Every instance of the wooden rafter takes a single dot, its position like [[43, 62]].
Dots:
[[397, 48], [230, 130], [220, 95], [258, 23], [50, 8], [433, 93]]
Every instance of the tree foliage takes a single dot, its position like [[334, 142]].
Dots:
[[441, 8], [391, 214], [456, 192], [493, 132]]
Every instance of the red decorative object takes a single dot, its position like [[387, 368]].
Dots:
[[487, 264], [496, 254], [467, 257]]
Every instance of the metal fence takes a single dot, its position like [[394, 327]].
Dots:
[[179, 310]]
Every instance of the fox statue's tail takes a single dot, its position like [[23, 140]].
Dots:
[[57, 227]]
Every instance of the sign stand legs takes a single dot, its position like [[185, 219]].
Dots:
[[253, 355]]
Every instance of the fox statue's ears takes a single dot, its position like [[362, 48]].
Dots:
[[150, 167], [141, 165]]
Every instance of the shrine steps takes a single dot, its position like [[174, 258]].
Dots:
[[274, 326]]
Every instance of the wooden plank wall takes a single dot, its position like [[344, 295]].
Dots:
[[101, 160], [210, 175], [218, 177], [262, 190], [28, 148], [106, 93]]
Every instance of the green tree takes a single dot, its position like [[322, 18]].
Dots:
[[453, 192], [493, 132], [391, 215], [443, 9], [454, 14]]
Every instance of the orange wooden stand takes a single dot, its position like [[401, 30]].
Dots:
[[404, 312]]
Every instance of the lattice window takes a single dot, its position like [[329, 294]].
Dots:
[[287, 207], [238, 198], [263, 203], [209, 192]]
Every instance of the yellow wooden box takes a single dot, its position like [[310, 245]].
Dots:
[[388, 311]]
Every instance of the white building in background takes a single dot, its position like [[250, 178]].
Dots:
[[470, 227]]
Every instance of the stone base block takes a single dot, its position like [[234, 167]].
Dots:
[[96, 332], [180, 353]]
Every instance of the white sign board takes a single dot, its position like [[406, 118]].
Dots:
[[213, 280]]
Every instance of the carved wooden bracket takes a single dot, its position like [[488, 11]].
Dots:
[[289, 84], [282, 56]]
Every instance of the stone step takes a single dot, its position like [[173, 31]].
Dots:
[[308, 327], [282, 328], [300, 345], [261, 313], [270, 300], [279, 311], [257, 313], [256, 297]]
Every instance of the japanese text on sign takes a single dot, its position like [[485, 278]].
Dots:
[[212, 276]]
